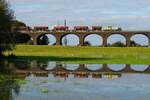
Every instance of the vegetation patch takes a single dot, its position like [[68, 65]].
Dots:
[[45, 90], [19, 81], [112, 55]]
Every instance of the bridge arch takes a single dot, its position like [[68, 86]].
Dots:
[[46, 39], [70, 39], [140, 39], [93, 39], [116, 37]]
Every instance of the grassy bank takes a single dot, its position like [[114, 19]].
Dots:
[[133, 55]]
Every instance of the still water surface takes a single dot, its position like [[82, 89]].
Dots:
[[49, 80]]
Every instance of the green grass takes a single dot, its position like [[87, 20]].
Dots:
[[128, 55]]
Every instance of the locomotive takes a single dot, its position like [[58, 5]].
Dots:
[[96, 28], [111, 28]]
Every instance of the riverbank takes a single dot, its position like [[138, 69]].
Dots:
[[112, 55]]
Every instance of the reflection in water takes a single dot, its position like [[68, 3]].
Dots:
[[139, 67], [111, 75], [94, 66], [7, 82], [50, 65], [116, 67], [71, 66], [45, 80]]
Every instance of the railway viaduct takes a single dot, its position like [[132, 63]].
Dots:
[[82, 34]]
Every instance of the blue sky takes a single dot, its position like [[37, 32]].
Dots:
[[129, 14]]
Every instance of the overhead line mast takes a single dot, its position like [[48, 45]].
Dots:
[[65, 38]]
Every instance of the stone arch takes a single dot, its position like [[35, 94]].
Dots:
[[70, 39], [50, 39], [140, 39], [94, 39], [118, 37]]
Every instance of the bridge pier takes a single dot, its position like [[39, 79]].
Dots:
[[34, 39], [128, 39], [81, 41], [128, 42], [104, 41], [58, 39], [149, 41]]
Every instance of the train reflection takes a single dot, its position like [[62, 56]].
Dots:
[[109, 71]]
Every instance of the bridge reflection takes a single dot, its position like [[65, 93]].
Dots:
[[81, 70]]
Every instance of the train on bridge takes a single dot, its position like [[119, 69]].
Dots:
[[67, 28], [78, 28]]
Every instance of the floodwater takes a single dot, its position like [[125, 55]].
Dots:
[[50, 80]]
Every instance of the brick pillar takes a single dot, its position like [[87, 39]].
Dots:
[[104, 41], [128, 42], [58, 39], [149, 41], [81, 41], [34, 40]]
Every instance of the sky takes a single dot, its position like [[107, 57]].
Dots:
[[128, 14]]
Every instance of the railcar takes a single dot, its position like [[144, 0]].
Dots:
[[81, 28], [96, 28], [60, 28], [41, 28]]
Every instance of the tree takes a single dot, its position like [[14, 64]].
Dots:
[[134, 44], [8, 82], [118, 44], [6, 17], [21, 38], [43, 40], [18, 26], [87, 43], [17, 23]]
